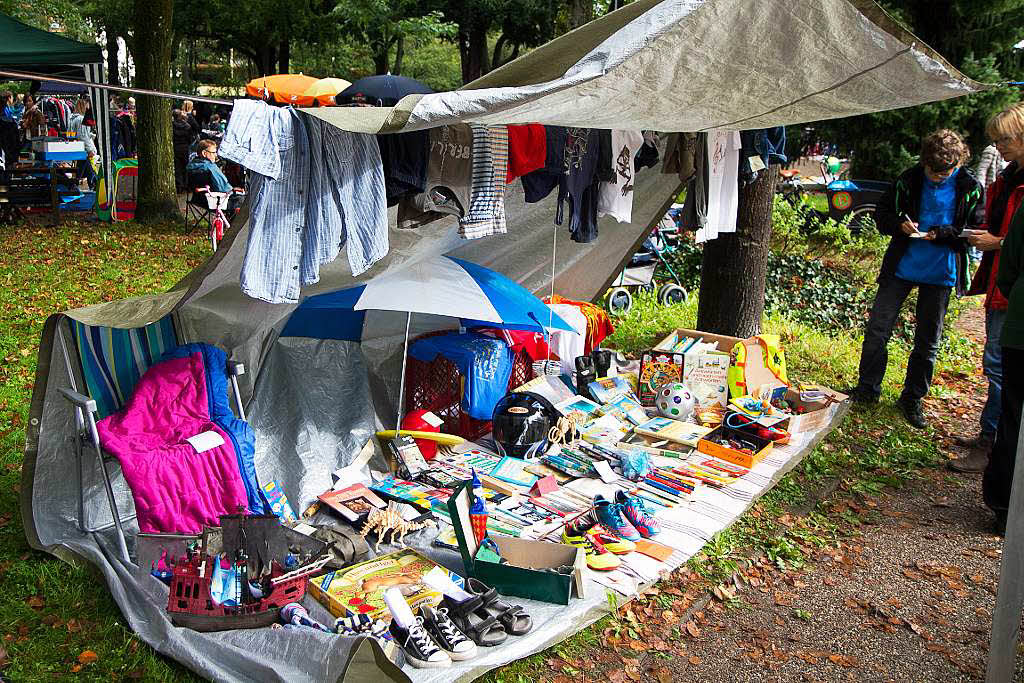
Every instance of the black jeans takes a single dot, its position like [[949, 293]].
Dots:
[[999, 473], [932, 301]]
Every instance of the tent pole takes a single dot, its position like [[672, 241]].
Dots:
[[401, 381], [1010, 599]]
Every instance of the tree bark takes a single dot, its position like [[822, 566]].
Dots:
[[399, 55], [156, 199], [473, 51], [266, 60], [284, 54], [580, 12], [734, 267], [113, 52]]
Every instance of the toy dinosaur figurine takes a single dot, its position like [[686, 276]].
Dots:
[[390, 521]]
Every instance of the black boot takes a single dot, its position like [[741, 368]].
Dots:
[[912, 411], [861, 396]]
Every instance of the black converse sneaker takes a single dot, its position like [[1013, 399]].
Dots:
[[446, 634], [420, 650]]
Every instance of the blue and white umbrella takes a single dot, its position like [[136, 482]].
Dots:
[[440, 285]]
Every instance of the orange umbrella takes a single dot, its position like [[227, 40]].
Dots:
[[323, 91], [285, 88]]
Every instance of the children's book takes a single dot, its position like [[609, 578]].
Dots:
[[672, 430], [353, 502], [657, 368], [706, 375]]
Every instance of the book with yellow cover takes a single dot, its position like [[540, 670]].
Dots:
[[672, 430]]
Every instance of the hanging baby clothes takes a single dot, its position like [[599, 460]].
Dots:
[[599, 323], [579, 184], [486, 215], [565, 345], [404, 158], [449, 174], [680, 155], [695, 208], [615, 198], [538, 184], [527, 150], [314, 189], [723, 181]]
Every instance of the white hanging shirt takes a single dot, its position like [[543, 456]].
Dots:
[[615, 199], [568, 345], [723, 181]]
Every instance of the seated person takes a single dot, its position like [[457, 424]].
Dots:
[[205, 165]]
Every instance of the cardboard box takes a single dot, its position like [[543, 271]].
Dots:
[[818, 413], [359, 589], [522, 575], [710, 446], [725, 343]]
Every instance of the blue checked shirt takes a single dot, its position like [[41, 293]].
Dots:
[[314, 189]]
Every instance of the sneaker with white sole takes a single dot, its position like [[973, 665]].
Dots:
[[446, 634], [420, 649]]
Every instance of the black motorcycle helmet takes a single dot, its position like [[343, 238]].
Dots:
[[522, 423]]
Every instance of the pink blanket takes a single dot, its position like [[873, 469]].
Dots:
[[175, 488]]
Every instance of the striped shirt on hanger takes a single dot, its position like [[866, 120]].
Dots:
[[486, 215]]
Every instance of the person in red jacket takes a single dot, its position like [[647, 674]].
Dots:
[[1006, 130]]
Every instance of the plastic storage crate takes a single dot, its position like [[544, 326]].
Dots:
[[437, 386]]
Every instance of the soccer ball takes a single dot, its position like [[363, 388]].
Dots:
[[674, 400]]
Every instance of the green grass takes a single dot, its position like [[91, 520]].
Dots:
[[51, 612]]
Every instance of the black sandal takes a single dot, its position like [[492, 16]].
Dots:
[[478, 623], [512, 617]]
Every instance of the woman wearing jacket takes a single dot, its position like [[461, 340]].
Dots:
[[998, 480], [1006, 130], [924, 212], [181, 137], [83, 132]]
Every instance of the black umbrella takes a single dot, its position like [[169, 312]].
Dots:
[[381, 91]]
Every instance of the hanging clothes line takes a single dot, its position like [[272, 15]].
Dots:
[[26, 75]]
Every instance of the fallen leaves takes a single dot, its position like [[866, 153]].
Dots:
[[692, 629], [845, 661]]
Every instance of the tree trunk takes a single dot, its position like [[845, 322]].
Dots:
[[113, 52], [266, 60], [734, 267], [156, 199], [284, 54], [580, 12], [473, 51], [399, 56]]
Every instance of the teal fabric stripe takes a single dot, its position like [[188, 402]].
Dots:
[[114, 359]]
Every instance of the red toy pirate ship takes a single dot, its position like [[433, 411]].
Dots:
[[262, 584]]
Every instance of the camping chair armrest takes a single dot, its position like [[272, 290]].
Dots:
[[80, 401], [234, 370]]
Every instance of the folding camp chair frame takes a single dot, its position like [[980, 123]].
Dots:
[[87, 436]]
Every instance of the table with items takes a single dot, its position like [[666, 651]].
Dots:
[[465, 555]]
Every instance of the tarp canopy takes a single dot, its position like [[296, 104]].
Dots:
[[21, 45], [693, 65], [673, 65]]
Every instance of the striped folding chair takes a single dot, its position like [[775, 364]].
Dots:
[[109, 363]]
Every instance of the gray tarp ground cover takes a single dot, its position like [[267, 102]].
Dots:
[[670, 65]]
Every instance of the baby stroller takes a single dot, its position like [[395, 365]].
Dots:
[[643, 268]]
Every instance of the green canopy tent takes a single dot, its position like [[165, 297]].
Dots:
[[24, 48]]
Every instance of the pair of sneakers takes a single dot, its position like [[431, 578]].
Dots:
[[599, 547], [626, 517], [433, 641]]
